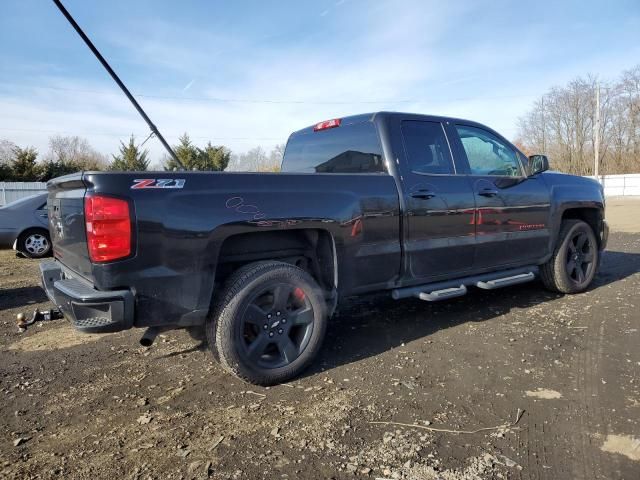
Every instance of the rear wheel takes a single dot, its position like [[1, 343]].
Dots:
[[573, 265], [34, 243], [269, 324]]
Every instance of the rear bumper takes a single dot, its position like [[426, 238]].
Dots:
[[7, 238], [88, 309]]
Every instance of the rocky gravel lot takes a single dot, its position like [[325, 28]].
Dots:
[[517, 383]]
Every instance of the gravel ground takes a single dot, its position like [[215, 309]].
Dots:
[[557, 376]]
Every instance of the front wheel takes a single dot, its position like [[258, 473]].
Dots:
[[573, 265], [269, 324]]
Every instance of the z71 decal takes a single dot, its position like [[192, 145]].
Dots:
[[157, 183]]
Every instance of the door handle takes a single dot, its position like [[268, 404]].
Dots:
[[423, 194], [488, 192]]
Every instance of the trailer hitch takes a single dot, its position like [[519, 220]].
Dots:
[[38, 316]]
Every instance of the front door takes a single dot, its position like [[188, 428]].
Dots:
[[439, 205], [512, 209]]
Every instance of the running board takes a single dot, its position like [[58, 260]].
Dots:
[[506, 281], [443, 294], [457, 287]]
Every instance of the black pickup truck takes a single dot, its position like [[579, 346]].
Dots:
[[419, 206]]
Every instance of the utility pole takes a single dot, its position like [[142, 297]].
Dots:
[[544, 129], [596, 140], [114, 76]]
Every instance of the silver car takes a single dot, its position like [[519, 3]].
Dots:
[[24, 225]]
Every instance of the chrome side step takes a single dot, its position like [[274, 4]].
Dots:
[[506, 281], [458, 287], [442, 294]]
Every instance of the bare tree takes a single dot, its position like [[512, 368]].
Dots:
[[75, 151], [562, 125], [6, 151], [257, 160]]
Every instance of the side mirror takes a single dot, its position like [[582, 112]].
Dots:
[[538, 164]]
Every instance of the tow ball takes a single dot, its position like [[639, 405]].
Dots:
[[38, 316]]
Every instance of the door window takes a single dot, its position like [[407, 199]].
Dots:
[[487, 154], [427, 148]]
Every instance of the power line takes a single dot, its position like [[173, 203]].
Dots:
[[269, 101], [105, 134]]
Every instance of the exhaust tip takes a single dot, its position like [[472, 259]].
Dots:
[[149, 336]]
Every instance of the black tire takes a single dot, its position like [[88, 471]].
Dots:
[[573, 265], [269, 323], [34, 243]]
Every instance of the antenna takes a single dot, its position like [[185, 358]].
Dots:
[[125, 90]]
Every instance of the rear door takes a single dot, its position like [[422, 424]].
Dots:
[[439, 205], [512, 210]]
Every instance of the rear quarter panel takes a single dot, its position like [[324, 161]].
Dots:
[[179, 231]]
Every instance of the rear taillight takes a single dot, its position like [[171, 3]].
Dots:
[[108, 223]]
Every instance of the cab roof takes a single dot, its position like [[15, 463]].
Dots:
[[370, 117]]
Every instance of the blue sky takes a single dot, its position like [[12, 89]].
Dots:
[[247, 73]]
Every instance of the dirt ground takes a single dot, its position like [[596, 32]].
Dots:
[[525, 384], [624, 213]]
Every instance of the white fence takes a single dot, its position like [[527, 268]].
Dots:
[[10, 191], [621, 185]]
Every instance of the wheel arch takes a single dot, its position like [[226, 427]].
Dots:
[[592, 216], [312, 249], [33, 228]]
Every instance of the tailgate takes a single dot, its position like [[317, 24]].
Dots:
[[66, 223]]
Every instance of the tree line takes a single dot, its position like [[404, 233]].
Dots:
[[68, 154], [562, 125]]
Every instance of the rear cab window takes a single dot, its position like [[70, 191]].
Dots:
[[347, 148]]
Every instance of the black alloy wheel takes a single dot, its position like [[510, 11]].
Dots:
[[580, 257], [276, 325], [575, 259], [268, 323]]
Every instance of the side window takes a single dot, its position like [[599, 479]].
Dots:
[[426, 147], [487, 154]]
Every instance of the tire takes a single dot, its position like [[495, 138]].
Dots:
[[269, 323], [573, 265], [34, 243]]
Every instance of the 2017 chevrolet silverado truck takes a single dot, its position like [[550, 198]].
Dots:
[[416, 205]]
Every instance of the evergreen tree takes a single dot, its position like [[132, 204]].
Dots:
[[52, 169], [6, 174], [130, 158], [210, 158], [23, 165], [187, 152], [213, 158]]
